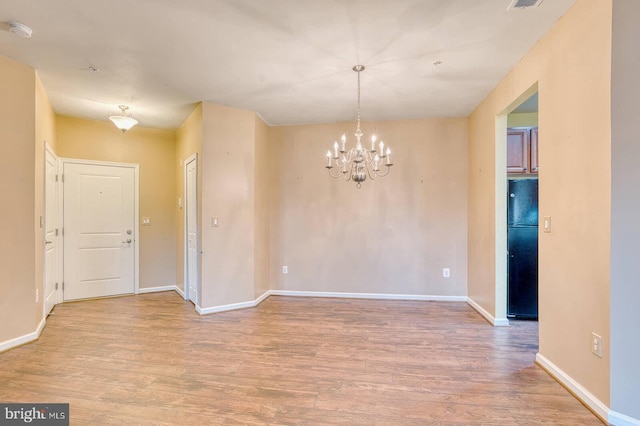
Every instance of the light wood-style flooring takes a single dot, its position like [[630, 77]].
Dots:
[[150, 359]]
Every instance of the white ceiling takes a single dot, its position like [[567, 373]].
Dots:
[[288, 60]]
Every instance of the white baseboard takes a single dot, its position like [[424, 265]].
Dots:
[[156, 289], [262, 298], [496, 322], [180, 292], [619, 419], [586, 397], [233, 306], [381, 296], [19, 341]]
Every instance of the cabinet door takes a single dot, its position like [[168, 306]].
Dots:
[[517, 150], [534, 150]]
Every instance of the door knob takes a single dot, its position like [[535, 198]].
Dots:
[[48, 242], [128, 241]]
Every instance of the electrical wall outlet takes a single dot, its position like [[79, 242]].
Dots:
[[446, 272], [596, 344], [285, 270]]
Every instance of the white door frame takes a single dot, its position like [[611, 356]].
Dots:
[[59, 247], [193, 157], [136, 211]]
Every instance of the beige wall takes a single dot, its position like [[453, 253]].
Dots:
[[393, 235], [571, 65], [154, 150], [19, 314], [263, 185], [188, 142], [228, 191]]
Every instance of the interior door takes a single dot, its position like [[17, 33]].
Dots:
[[52, 232], [99, 218], [191, 202]]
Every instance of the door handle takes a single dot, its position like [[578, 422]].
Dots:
[[128, 241], [48, 242]]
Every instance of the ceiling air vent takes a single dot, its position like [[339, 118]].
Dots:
[[523, 4]]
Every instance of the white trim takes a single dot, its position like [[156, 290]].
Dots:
[[619, 419], [192, 157], [234, 306], [136, 210], [136, 228], [496, 322], [586, 397], [27, 338], [59, 241], [180, 292], [224, 308], [380, 296], [156, 289], [262, 298]]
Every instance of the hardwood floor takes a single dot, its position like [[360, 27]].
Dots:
[[150, 359]]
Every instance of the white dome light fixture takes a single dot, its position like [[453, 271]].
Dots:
[[123, 122], [19, 29]]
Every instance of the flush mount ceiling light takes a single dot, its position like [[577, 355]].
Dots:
[[523, 4], [19, 29], [359, 162], [123, 122]]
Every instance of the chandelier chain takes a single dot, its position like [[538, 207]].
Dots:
[[358, 128]]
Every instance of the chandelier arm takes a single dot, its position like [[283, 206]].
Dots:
[[385, 173], [332, 175]]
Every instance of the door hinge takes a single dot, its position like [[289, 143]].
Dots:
[[56, 178], [62, 285], [63, 232], [56, 232], [63, 177], [56, 286]]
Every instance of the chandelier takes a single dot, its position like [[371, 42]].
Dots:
[[359, 162]]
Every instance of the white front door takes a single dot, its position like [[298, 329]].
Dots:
[[51, 232], [191, 215], [99, 218]]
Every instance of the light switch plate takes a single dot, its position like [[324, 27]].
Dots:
[[546, 224], [146, 221]]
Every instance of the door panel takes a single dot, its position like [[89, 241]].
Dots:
[[522, 293], [192, 229], [99, 209], [51, 235]]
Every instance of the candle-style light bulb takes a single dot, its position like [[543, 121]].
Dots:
[[335, 149], [329, 158], [388, 155], [381, 148], [373, 143], [344, 141], [376, 160]]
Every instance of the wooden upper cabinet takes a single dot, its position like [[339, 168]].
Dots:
[[517, 150], [533, 148], [522, 150]]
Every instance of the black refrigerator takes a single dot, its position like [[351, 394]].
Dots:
[[522, 246]]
